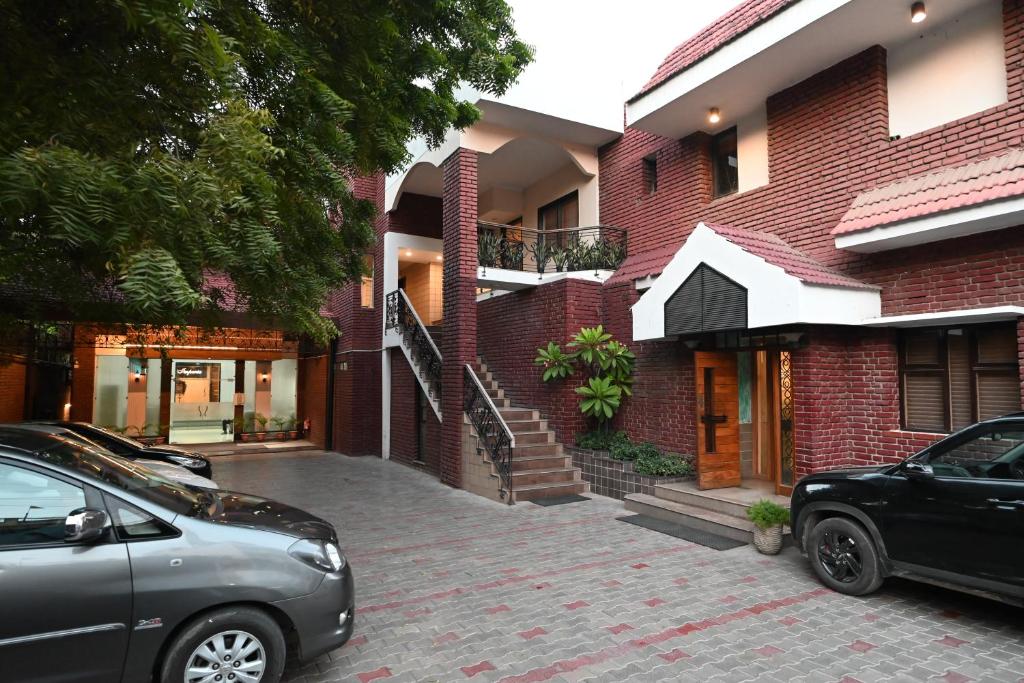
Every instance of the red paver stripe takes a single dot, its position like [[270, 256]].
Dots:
[[577, 604], [548, 672], [620, 628], [532, 633], [674, 655], [499, 608], [356, 642], [374, 675], [471, 671], [449, 637], [951, 641], [654, 602], [768, 651], [860, 646]]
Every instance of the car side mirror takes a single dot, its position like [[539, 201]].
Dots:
[[918, 471], [85, 525]]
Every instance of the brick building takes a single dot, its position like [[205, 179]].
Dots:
[[808, 231]]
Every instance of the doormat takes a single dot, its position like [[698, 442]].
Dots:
[[559, 500], [686, 533]]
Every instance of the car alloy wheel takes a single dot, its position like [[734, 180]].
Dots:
[[840, 557], [227, 657]]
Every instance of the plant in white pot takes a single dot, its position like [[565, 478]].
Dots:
[[768, 519]]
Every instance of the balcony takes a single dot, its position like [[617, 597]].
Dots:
[[513, 257]]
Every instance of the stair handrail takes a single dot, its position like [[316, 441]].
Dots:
[[401, 316], [491, 428]]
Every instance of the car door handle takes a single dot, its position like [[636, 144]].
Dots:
[[999, 502]]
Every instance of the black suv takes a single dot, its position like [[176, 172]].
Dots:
[[952, 514]]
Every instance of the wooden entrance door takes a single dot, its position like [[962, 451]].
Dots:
[[718, 434]]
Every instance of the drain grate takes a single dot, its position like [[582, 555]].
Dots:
[[686, 533]]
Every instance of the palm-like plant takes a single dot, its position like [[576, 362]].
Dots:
[[487, 247], [590, 343], [557, 365], [617, 362], [601, 398]]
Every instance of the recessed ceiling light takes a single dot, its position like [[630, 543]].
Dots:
[[917, 12], [714, 116], [439, 257], [408, 252]]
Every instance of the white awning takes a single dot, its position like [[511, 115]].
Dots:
[[776, 284], [965, 316]]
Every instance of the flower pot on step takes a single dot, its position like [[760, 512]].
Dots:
[[768, 541]]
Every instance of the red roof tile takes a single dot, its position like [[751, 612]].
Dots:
[[763, 245], [956, 187], [638, 266], [726, 28]]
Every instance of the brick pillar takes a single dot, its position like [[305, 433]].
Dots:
[[458, 344]]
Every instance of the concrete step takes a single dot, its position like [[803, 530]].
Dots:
[[519, 426], [525, 463], [527, 477], [535, 491], [527, 438], [495, 393], [692, 516], [734, 501], [528, 449], [510, 414]]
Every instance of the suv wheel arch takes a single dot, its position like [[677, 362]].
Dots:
[[815, 512]]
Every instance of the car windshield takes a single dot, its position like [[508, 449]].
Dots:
[[128, 476]]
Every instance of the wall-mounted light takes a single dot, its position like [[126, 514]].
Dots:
[[264, 377], [714, 116], [408, 252], [918, 12]]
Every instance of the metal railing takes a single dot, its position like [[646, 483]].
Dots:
[[402, 317], [512, 247], [494, 433]]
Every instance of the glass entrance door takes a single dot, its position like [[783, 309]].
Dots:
[[202, 401]]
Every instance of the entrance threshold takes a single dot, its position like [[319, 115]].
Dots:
[[238, 448], [746, 494]]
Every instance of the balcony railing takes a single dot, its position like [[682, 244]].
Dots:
[[512, 247]]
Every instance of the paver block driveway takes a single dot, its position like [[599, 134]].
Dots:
[[452, 587]]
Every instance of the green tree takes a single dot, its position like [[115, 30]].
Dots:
[[147, 144]]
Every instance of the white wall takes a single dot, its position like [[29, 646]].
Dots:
[[949, 71], [752, 149]]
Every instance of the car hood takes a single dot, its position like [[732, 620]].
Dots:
[[243, 509], [177, 473], [845, 473], [174, 450]]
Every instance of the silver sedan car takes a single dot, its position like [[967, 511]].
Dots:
[[110, 572]]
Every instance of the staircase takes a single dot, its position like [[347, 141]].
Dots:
[[417, 344], [717, 511], [540, 467]]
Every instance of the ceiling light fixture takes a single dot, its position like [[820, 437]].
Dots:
[[714, 116], [917, 12], [408, 252], [439, 257]]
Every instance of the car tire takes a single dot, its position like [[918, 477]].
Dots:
[[844, 556], [234, 629]]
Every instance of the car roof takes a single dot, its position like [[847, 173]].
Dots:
[[28, 438]]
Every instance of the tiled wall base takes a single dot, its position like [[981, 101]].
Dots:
[[614, 478]]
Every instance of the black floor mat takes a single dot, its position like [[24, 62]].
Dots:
[[686, 533], [559, 500]]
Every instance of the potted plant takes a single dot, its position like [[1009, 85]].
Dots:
[[768, 519], [541, 251], [293, 431], [278, 423], [560, 257], [487, 250], [261, 420], [239, 429]]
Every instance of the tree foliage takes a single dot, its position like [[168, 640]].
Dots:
[[146, 145]]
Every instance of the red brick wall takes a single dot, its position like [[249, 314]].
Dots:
[[828, 141], [312, 396], [404, 388], [12, 390], [513, 326], [458, 346]]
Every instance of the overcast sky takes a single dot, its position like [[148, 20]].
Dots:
[[594, 54]]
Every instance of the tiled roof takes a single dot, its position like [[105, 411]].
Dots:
[[726, 28], [956, 187], [778, 253], [763, 245], [638, 266]]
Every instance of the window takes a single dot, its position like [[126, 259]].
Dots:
[[131, 523], [953, 377], [651, 174], [33, 506], [991, 452], [725, 163], [366, 289], [561, 214]]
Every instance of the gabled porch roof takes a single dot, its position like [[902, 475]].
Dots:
[[729, 278]]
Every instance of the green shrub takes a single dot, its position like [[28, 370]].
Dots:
[[634, 451], [662, 466], [767, 514], [600, 440]]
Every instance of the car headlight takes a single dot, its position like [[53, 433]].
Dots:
[[186, 461], [318, 554]]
